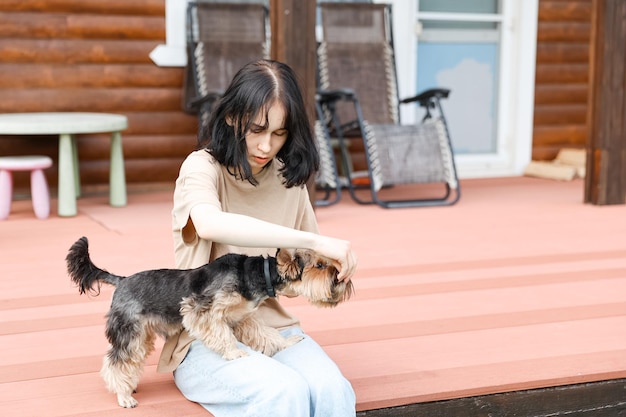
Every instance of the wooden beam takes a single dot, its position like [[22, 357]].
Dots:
[[606, 157], [596, 399], [293, 42]]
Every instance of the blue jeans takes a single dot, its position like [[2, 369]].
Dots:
[[300, 381]]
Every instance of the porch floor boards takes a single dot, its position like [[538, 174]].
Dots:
[[518, 286]]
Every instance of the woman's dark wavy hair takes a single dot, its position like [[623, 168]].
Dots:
[[252, 91]]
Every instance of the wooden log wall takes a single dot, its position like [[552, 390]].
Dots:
[[562, 75], [93, 56]]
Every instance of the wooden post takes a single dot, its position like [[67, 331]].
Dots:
[[605, 181], [293, 42]]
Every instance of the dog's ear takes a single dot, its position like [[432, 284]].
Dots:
[[283, 256], [301, 259], [288, 264]]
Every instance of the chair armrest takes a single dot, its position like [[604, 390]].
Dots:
[[331, 96], [425, 96], [207, 98]]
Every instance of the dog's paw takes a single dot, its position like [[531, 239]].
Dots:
[[270, 349], [293, 339], [234, 354], [126, 401], [284, 344]]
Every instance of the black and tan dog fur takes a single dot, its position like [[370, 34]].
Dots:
[[214, 303]]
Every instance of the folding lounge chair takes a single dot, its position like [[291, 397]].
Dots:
[[359, 99], [221, 38]]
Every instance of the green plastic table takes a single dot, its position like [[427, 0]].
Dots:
[[67, 125]]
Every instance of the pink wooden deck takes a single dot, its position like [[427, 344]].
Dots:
[[520, 285]]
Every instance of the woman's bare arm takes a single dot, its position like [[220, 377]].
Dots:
[[239, 230]]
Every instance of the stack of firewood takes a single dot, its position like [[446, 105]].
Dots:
[[568, 164]]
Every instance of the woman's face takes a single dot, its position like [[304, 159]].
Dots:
[[265, 139]]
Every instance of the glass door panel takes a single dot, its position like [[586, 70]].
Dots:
[[458, 48]]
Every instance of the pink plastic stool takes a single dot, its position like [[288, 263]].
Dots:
[[38, 185]]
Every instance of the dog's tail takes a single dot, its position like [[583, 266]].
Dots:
[[83, 272]]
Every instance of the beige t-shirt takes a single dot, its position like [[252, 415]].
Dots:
[[203, 180]]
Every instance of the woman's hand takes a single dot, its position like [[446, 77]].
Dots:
[[340, 251]]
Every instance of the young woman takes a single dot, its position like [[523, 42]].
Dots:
[[244, 191]]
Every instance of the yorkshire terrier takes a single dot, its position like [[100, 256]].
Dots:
[[214, 303]]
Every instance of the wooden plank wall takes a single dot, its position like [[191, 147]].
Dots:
[[562, 75], [93, 56]]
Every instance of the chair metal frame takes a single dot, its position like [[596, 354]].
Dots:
[[327, 179]]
